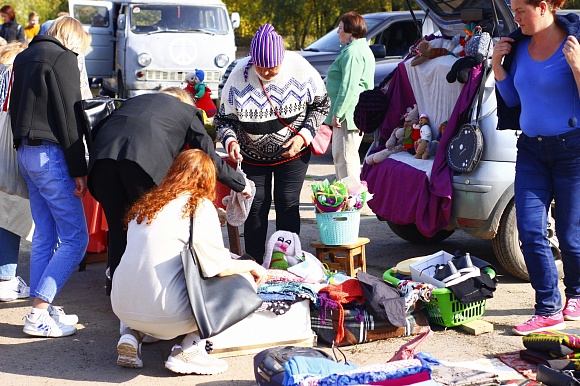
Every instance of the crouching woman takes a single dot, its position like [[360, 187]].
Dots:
[[149, 293]]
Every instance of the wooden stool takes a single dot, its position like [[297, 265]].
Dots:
[[352, 256]]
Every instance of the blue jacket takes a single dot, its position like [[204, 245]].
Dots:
[[509, 117]]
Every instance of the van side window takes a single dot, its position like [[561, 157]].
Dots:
[[91, 15]]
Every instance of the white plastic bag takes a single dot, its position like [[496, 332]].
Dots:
[[238, 206], [11, 181]]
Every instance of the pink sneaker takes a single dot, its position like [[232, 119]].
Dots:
[[572, 309], [540, 323]]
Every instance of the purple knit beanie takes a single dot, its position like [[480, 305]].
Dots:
[[266, 50]]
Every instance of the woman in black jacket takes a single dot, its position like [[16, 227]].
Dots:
[[11, 30], [52, 160], [133, 149]]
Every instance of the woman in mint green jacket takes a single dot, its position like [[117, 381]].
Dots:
[[351, 73]]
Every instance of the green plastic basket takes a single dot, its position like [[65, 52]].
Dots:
[[444, 309], [338, 228]]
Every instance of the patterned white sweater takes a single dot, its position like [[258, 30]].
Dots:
[[246, 116]]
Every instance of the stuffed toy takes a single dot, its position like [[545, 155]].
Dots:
[[425, 137], [477, 48], [419, 130], [400, 137], [394, 145], [411, 118], [426, 52], [434, 145], [283, 250], [200, 92]]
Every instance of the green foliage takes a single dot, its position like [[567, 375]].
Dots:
[[46, 9], [301, 21]]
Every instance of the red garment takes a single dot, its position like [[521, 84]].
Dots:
[[344, 293], [206, 104]]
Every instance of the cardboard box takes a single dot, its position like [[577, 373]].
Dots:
[[424, 270]]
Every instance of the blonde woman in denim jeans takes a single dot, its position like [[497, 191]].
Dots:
[[52, 160], [548, 160]]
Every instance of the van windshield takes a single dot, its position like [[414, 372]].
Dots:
[[178, 18]]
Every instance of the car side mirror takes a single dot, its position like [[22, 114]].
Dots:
[[235, 17], [379, 50], [121, 22]]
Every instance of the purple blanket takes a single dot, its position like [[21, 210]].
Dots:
[[403, 194]]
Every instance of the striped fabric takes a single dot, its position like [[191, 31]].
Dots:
[[266, 50]]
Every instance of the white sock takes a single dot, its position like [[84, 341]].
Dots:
[[35, 313], [191, 340]]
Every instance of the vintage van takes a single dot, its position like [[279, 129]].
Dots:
[[139, 46]]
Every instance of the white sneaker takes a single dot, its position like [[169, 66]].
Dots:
[[13, 289], [47, 326], [194, 361], [58, 314], [129, 350]]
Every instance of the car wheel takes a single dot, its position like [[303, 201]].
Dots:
[[410, 233], [507, 246]]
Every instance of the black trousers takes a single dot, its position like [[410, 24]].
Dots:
[[287, 180], [117, 185]]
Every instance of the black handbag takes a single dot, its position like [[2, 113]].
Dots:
[[464, 150], [93, 112], [217, 302]]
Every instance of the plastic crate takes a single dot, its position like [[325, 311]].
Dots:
[[444, 309], [338, 228]]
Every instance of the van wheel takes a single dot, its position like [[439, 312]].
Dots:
[[410, 233], [507, 247]]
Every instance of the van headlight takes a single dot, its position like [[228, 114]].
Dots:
[[144, 59], [222, 60]]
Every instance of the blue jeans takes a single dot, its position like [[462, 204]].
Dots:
[[549, 168], [9, 247], [60, 236]]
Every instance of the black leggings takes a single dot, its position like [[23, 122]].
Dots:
[[117, 185], [288, 180]]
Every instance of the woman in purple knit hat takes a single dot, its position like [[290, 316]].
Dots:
[[271, 105]]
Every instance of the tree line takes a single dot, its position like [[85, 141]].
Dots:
[[299, 21]]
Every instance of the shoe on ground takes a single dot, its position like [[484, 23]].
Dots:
[[46, 326], [194, 361], [446, 272], [129, 350], [13, 289], [572, 309], [539, 323], [58, 314]]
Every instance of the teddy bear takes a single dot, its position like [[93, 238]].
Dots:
[[283, 250], [411, 118], [393, 145], [421, 144], [200, 92], [396, 141], [427, 51]]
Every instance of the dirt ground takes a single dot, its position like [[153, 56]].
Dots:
[[90, 355]]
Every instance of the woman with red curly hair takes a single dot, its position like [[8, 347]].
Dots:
[[149, 293]]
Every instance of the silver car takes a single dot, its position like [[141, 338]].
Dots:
[[483, 200]]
